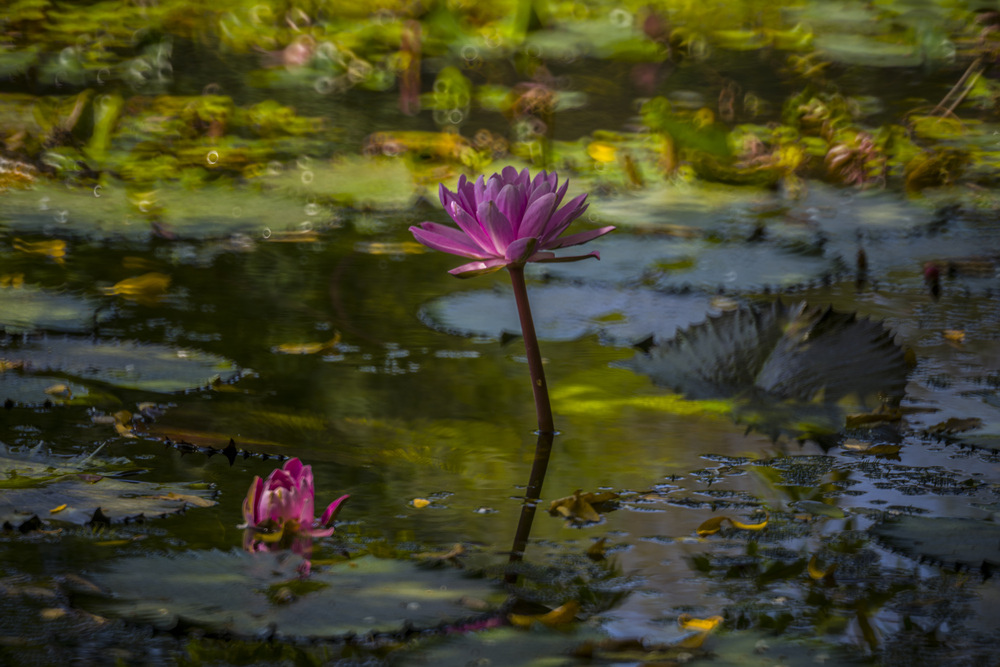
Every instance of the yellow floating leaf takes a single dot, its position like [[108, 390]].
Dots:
[[712, 526], [597, 549], [954, 335], [55, 510], [307, 348], [580, 507], [59, 390], [601, 151], [420, 503], [883, 450], [147, 288], [689, 622], [818, 573], [54, 249], [558, 616], [15, 280], [749, 526]]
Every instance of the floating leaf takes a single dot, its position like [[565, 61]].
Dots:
[[146, 289], [69, 492], [567, 312], [559, 616], [582, 508], [253, 595], [790, 364], [688, 622], [420, 503], [713, 525], [28, 308], [120, 363], [54, 249], [818, 573], [950, 542], [307, 348]]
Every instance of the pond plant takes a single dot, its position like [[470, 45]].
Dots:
[[505, 222], [278, 511]]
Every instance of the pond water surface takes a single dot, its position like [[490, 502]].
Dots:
[[210, 283]]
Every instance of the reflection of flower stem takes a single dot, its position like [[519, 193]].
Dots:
[[541, 391], [534, 491]]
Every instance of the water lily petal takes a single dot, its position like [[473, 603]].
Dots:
[[537, 217], [562, 217], [332, 510], [580, 237], [251, 514], [469, 224], [520, 250], [478, 268], [496, 224], [511, 203], [447, 239]]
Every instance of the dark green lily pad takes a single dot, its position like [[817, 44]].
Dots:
[[81, 492], [262, 594], [963, 544], [788, 362], [566, 312], [31, 308], [126, 364]]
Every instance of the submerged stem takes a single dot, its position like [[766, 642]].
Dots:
[[540, 390]]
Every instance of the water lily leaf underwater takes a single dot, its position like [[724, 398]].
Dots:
[[954, 543], [31, 308], [74, 491], [261, 594], [786, 362], [566, 312], [126, 364]]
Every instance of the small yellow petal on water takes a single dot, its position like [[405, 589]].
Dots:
[[818, 573], [712, 526], [601, 151], [954, 335], [57, 509], [749, 526], [689, 622], [420, 503]]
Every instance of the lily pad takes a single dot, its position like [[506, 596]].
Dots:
[[789, 362], [126, 364], [262, 594], [109, 212], [950, 542], [567, 312], [64, 491], [31, 308]]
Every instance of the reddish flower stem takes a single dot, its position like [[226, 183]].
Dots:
[[543, 449], [541, 390]]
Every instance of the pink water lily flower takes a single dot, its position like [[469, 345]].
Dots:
[[509, 219], [279, 510]]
